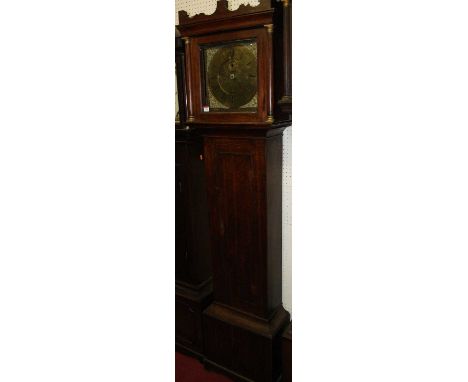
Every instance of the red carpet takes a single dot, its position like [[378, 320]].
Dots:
[[188, 369]]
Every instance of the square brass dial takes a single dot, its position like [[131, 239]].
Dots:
[[230, 72]]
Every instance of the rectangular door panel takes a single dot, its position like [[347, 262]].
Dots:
[[237, 189]]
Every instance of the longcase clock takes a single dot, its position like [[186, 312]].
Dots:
[[237, 85]]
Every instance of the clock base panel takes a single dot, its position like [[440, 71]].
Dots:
[[244, 347]]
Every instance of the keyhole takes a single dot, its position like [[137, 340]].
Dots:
[[232, 76]]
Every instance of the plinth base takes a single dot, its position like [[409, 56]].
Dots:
[[189, 305], [243, 347]]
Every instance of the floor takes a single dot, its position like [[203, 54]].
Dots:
[[189, 369]]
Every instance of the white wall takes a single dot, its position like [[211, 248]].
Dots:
[[287, 219], [193, 7]]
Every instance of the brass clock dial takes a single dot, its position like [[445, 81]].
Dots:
[[232, 75]]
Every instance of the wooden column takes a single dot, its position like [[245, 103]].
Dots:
[[188, 76], [285, 102], [270, 95]]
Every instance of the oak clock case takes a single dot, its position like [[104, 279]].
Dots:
[[192, 243], [235, 79]]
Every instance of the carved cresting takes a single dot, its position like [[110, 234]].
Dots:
[[222, 11]]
